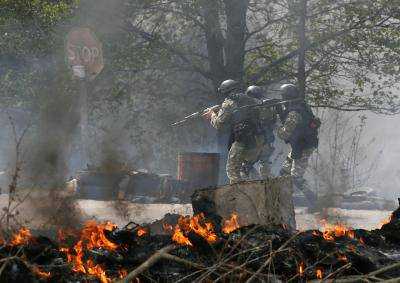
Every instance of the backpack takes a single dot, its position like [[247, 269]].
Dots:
[[305, 136]]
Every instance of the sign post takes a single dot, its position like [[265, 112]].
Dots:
[[85, 57]]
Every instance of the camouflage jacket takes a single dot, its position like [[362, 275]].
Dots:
[[263, 118], [224, 118], [292, 121], [300, 129]]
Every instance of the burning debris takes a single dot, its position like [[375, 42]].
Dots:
[[196, 248]]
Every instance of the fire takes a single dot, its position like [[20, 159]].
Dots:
[[301, 268], [328, 236], [22, 237], [92, 236], [203, 228], [197, 224], [332, 231], [179, 238], [122, 273], [177, 234], [319, 273], [351, 234], [386, 221], [141, 231], [231, 225], [97, 270], [40, 273]]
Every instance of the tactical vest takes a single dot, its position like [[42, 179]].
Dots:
[[305, 135], [246, 122], [268, 118]]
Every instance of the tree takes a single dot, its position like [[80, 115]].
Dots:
[[28, 46], [342, 47]]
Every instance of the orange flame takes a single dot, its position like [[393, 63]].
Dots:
[[95, 236], [141, 231], [301, 268], [40, 273], [22, 237], [122, 273], [97, 270], [231, 224], [179, 238], [198, 224], [92, 236], [332, 231], [319, 273], [386, 221], [203, 228]]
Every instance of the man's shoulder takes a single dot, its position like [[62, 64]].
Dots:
[[294, 115], [228, 103]]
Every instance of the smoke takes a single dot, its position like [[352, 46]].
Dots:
[[383, 130], [54, 137]]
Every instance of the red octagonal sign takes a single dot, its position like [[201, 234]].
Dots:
[[83, 48]]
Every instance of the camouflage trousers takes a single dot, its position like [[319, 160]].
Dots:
[[241, 159], [297, 168]]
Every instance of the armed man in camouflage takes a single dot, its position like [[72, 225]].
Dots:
[[248, 142], [268, 119], [300, 131]]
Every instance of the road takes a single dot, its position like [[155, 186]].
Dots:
[[146, 213]]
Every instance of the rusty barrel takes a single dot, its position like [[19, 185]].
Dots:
[[199, 170]]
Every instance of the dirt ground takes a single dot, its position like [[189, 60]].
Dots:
[[122, 213]]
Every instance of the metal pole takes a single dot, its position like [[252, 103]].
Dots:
[[80, 73], [84, 121]]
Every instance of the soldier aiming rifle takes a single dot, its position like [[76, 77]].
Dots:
[[250, 121], [247, 125]]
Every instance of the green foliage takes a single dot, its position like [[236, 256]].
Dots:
[[28, 46]]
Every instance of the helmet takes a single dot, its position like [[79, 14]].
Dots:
[[228, 86], [254, 91], [289, 91]]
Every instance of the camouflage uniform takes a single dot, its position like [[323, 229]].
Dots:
[[244, 154], [296, 162]]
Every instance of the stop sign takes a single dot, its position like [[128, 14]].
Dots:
[[84, 49]]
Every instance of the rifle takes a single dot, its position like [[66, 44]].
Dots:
[[196, 115], [270, 103]]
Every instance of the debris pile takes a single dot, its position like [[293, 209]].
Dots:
[[195, 248]]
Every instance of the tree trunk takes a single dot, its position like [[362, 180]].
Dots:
[[301, 67], [236, 11], [214, 40]]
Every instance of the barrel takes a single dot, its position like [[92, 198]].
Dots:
[[198, 170]]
